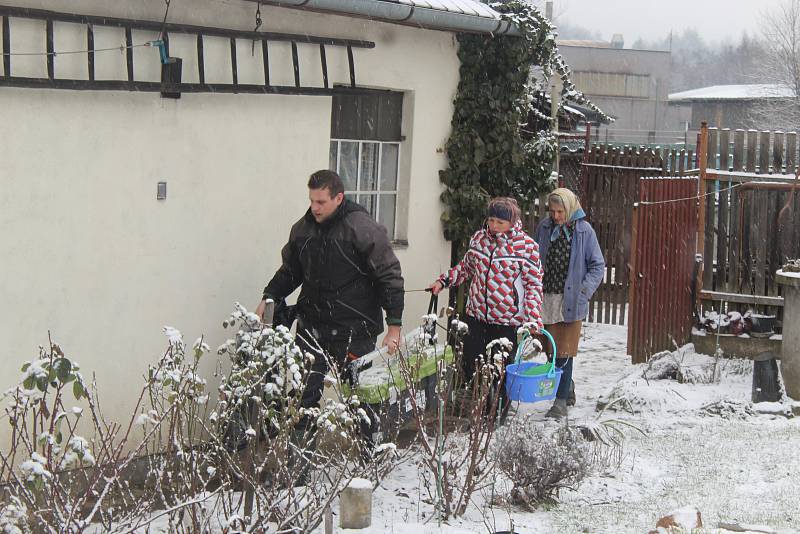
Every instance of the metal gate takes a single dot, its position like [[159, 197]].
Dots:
[[663, 239]]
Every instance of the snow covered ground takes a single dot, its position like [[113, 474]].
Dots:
[[702, 445], [735, 465]]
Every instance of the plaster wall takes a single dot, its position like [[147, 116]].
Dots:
[[90, 255]]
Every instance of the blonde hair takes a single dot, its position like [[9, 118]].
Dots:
[[506, 203]]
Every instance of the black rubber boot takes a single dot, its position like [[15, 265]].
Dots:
[[571, 398], [558, 410]]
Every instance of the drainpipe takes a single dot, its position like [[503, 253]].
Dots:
[[421, 17]]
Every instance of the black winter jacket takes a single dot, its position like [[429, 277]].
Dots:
[[348, 271]]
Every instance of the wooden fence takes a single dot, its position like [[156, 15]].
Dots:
[[748, 230], [745, 204], [609, 189], [751, 151], [751, 216], [743, 219], [662, 261]]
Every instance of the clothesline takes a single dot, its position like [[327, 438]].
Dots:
[[696, 197]]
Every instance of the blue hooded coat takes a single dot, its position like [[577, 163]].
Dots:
[[586, 266]]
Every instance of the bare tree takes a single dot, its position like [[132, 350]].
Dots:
[[780, 67], [697, 63]]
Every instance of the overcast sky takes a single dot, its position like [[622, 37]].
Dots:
[[651, 19]]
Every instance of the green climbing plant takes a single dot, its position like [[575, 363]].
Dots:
[[489, 154]]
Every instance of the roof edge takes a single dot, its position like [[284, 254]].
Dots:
[[407, 15]]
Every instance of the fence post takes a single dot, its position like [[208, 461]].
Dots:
[[738, 150], [777, 152], [702, 161], [711, 147], [633, 316], [752, 141], [763, 152], [587, 147], [724, 148], [791, 151]]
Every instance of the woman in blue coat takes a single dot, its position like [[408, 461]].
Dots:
[[573, 269]]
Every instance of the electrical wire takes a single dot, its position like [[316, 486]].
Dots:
[[697, 197], [120, 48]]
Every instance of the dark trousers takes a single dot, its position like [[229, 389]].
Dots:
[[564, 386], [481, 334], [337, 350]]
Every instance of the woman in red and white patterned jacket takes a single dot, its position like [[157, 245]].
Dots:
[[506, 289]]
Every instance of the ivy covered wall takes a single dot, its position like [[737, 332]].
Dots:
[[488, 154]]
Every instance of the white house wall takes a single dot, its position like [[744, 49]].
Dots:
[[90, 255]]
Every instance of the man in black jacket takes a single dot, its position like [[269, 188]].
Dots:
[[348, 271]]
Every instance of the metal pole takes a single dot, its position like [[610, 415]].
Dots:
[[555, 100], [655, 115]]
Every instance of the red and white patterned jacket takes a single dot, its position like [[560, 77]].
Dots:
[[506, 275]]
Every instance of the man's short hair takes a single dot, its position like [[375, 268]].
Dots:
[[326, 179]]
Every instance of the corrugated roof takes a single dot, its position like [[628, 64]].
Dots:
[[734, 92]]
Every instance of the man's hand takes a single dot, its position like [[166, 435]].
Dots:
[[260, 309], [392, 339], [436, 287]]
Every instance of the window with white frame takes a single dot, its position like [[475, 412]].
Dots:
[[365, 151], [369, 172]]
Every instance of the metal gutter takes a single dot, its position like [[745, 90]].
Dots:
[[397, 13]]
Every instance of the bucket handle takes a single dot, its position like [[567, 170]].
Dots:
[[433, 304], [551, 361], [430, 328]]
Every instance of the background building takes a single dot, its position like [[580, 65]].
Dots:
[[630, 85], [754, 106]]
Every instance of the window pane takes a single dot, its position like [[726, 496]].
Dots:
[[389, 167], [351, 197], [368, 201], [367, 116], [387, 211], [348, 165], [332, 159], [369, 166]]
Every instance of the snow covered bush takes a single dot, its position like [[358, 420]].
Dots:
[[173, 459], [243, 466], [14, 517], [540, 463], [681, 365], [291, 461], [454, 460], [45, 443], [62, 481], [668, 382]]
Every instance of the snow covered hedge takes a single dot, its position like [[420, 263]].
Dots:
[[176, 462]]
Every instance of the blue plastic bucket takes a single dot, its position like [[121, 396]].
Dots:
[[531, 381], [523, 387]]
